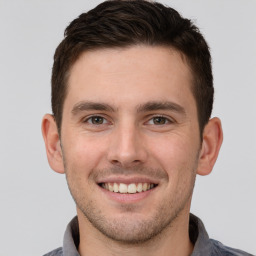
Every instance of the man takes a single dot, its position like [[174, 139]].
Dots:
[[132, 94]]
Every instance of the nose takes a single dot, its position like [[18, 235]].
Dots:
[[127, 148]]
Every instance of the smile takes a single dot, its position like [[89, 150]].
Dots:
[[127, 188]]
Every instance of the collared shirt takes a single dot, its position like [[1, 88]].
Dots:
[[203, 245]]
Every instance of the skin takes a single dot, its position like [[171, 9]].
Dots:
[[130, 116]]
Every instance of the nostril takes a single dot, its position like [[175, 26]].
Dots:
[[116, 162], [126, 164]]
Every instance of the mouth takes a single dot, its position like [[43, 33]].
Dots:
[[132, 188]]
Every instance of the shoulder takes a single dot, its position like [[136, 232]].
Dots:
[[219, 249], [56, 252]]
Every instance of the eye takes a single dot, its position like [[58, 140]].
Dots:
[[159, 120], [96, 120]]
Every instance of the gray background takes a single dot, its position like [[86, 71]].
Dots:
[[35, 201]]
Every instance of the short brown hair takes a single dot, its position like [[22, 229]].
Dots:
[[132, 22]]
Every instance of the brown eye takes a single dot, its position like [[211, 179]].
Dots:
[[96, 120], [159, 120]]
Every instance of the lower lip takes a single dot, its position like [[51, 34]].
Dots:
[[127, 198]]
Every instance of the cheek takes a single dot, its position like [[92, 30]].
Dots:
[[82, 154], [174, 153]]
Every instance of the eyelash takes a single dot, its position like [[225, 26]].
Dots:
[[95, 116], [167, 120]]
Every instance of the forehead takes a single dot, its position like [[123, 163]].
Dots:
[[130, 75]]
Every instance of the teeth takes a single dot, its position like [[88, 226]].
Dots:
[[127, 188], [144, 186], [116, 189], [139, 187], [132, 188], [110, 187], [123, 188]]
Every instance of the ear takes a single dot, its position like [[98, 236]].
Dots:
[[212, 140], [52, 143]]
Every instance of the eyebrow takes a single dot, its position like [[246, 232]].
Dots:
[[147, 107], [88, 105], [161, 105]]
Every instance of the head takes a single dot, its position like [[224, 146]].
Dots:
[[120, 24], [132, 96]]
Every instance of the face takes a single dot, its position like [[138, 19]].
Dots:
[[130, 140]]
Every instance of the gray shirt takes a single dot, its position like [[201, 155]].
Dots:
[[203, 246]]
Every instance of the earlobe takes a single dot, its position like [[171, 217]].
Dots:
[[212, 140], [52, 143]]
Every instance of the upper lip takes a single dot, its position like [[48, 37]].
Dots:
[[127, 179]]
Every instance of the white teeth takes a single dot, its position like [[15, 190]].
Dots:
[[115, 187], [123, 188], [139, 187], [110, 187], [132, 188], [144, 186], [127, 188]]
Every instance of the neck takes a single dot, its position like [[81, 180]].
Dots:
[[173, 241]]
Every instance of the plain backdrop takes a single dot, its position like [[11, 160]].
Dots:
[[35, 202]]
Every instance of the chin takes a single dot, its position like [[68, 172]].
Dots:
[[130, 227]]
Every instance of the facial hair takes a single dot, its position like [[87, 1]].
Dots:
[[130, 227]]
